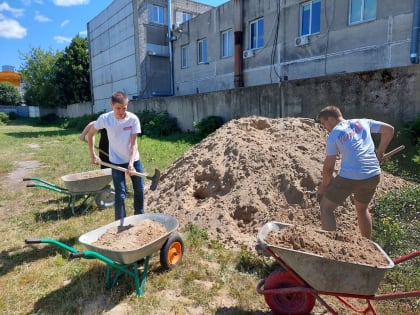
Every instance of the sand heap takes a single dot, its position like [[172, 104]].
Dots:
[[250, 171]]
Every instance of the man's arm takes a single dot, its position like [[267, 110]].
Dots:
[[387, 133], [85, 131], [133, 151], [327, 173], [91, 143]]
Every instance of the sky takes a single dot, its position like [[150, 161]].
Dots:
[[47, 24]]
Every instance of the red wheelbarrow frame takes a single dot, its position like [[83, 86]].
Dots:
[[303, 288]]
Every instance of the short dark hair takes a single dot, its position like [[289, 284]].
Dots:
[[329, 111], [119, 97]]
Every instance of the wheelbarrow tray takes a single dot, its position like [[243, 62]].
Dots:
[[324, 274], [130, 256], [90, 181]]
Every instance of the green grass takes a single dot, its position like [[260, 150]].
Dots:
[[40, 279]]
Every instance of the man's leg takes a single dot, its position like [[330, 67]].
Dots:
[[364, 219], [118, 179], [138, 187], [327, 214]]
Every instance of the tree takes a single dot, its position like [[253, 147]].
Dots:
[[72, 73], [38, 73], [9, 94]]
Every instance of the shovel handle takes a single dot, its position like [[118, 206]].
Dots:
[[395, 151], [122, 169]]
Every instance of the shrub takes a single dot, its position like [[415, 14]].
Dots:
[[156, 124], [13, 116], [412, 129], [4, 118], [208, 125]]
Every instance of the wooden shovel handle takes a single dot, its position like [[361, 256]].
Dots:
[[122, 169], [395, 151]]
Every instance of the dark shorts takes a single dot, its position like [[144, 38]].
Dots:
[[340, 188]]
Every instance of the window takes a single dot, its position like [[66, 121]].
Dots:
[[362, 10], [227, 43], [186, 17], [185, 56], [310, 17], [257, 34], [158, 14], [202, 51]]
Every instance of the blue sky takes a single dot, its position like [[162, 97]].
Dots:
[[46, 24]]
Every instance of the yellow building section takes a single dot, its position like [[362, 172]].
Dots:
[[11, 77]]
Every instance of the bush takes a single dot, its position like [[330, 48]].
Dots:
[[4, 118], [412, 129], [13, 116], [157, 124], [208, 125], [396, 219]]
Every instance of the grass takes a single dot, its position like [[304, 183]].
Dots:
[[40, 279]]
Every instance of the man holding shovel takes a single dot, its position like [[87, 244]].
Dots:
[[360, 165], [122, 128]]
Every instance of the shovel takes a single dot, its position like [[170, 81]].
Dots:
[[155, 178]]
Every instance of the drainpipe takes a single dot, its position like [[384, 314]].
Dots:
[[238, 35], [414, 50], [170, 47]]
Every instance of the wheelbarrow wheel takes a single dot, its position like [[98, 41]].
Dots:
[[171, 252], [105, 199], [300, 303]]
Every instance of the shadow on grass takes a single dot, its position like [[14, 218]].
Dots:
[[39, 134], [88, 292], [67, 211], [16, 256]]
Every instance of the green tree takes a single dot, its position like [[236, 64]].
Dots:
[[72, 73], [38, 73], [9, 94]]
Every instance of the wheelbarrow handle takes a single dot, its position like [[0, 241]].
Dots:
[[33, 241], [77, 255]]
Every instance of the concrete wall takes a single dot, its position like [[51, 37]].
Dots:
[[391, 95]]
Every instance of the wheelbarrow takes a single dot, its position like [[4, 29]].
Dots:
[[170, 245], [304, 277], [88, 186]]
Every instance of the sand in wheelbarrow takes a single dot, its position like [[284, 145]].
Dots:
[[132, 236], [336, 245], [248, 172]]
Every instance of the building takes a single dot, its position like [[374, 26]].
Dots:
[[244, 43], [130, 48], [249, 43]]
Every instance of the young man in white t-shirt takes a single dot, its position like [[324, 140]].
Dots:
[[122, 128], [360, 169]]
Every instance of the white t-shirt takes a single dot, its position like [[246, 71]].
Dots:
[[352, 138], [119, 134]]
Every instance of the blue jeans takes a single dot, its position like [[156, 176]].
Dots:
[[120, 187]]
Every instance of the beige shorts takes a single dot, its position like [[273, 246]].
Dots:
[[340, 188]]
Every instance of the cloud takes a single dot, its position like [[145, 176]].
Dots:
[[11, 28], [83, 33], [69, 3], [64, 23], [62, 39], [40, 18], [15, 12]]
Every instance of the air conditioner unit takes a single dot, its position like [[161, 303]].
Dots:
[[248, 53], [301, 40]]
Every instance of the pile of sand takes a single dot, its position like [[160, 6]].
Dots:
[[251, 171]]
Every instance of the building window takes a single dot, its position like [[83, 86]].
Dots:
[[310, 17], [158, 14], [186, 17], [257, 34], [227, 43], [202, 51], [185, 56], [362, 10]]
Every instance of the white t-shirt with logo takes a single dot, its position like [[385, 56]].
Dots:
[[119, 134]]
